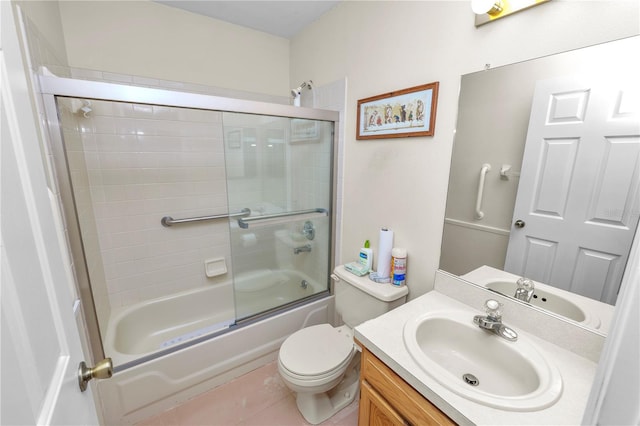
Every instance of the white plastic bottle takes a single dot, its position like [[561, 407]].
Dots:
[[398, 266], [366, 256]]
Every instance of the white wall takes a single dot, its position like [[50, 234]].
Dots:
[[390, 45], [143, 38]]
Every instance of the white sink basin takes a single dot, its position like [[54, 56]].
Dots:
[[480, 365], [543, 299]]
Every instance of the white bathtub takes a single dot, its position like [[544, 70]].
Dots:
[[160, 383], [148, 327], [141, 330], [262, 289]]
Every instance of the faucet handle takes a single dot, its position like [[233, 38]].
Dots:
[[493, 308], [525, 283]]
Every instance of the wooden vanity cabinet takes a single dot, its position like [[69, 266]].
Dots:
[[386, 399]]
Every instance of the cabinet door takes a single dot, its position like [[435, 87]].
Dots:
[[409, 406], [375, 411]]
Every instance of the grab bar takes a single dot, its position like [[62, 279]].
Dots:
[[168, 220], [483, 172], [243, 222]]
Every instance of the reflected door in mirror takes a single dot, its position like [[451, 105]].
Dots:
[[578, 192]]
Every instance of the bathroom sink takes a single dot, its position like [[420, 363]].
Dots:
[[583, 310], [551, 302], [480, 365]]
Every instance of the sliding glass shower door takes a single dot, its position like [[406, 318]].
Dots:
[[147, 187], [279, 169], [183, 221]]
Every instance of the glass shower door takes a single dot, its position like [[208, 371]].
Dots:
[[280, 169], [146, 185]]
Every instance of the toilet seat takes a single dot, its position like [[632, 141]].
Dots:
[[316, 352]]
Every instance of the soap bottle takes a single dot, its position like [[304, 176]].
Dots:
[[366, 256]]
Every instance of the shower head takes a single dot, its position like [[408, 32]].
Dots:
[[79, 106], [296, 92]]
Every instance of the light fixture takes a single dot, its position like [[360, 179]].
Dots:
[[490, 7], [490, 10]]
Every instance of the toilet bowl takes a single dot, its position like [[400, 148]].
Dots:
[[321, 363]]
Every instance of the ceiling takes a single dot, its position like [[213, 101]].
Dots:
[[280, 18]]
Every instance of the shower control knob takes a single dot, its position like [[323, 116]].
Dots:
[[519, 223]]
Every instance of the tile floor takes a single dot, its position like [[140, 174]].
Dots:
[[258, 398]]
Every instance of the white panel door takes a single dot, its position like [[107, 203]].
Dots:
[[577, 205], [40, 341]]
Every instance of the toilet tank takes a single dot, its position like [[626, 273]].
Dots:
[[359, 299]]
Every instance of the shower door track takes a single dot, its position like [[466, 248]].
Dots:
[[52, 86]]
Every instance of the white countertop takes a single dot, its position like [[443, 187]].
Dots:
[[383, 336]]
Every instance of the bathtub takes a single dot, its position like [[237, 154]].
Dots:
[[262, 289], [180, 359], [141, 330]]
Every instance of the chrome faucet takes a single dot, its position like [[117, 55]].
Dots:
[[493, 321], [525, 289], [305, 248]]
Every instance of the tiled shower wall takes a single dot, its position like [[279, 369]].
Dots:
[[142, 163]]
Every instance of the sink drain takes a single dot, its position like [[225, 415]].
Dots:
[[470, 379]]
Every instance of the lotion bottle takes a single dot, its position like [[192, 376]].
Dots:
[[366, 256]]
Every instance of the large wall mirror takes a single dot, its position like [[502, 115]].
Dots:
[[545, 179]]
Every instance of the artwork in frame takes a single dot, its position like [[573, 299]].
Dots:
[[234, 139], [303, 130], [400, 114]]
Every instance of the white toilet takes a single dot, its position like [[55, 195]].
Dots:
[[321, 364]]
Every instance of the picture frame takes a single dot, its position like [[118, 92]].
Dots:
[[400, 114], [304, 130], [234, 139]]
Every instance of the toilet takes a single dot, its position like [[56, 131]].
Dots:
[[321, 363]]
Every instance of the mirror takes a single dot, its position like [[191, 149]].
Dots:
[[574, 170]]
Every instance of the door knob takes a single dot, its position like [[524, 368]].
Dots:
[[102, 370], [519, 223]]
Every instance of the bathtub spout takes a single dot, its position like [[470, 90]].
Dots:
[[305, 248]]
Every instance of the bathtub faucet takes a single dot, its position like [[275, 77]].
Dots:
[[305, 248]]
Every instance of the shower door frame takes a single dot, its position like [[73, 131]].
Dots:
[[52, 86]]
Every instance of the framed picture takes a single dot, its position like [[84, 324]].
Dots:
[[234, 139], [400, 114], [303, 130]]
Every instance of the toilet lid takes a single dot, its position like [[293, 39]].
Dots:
[[315, 350]]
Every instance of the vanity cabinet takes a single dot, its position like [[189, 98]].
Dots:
[[386, 399]]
